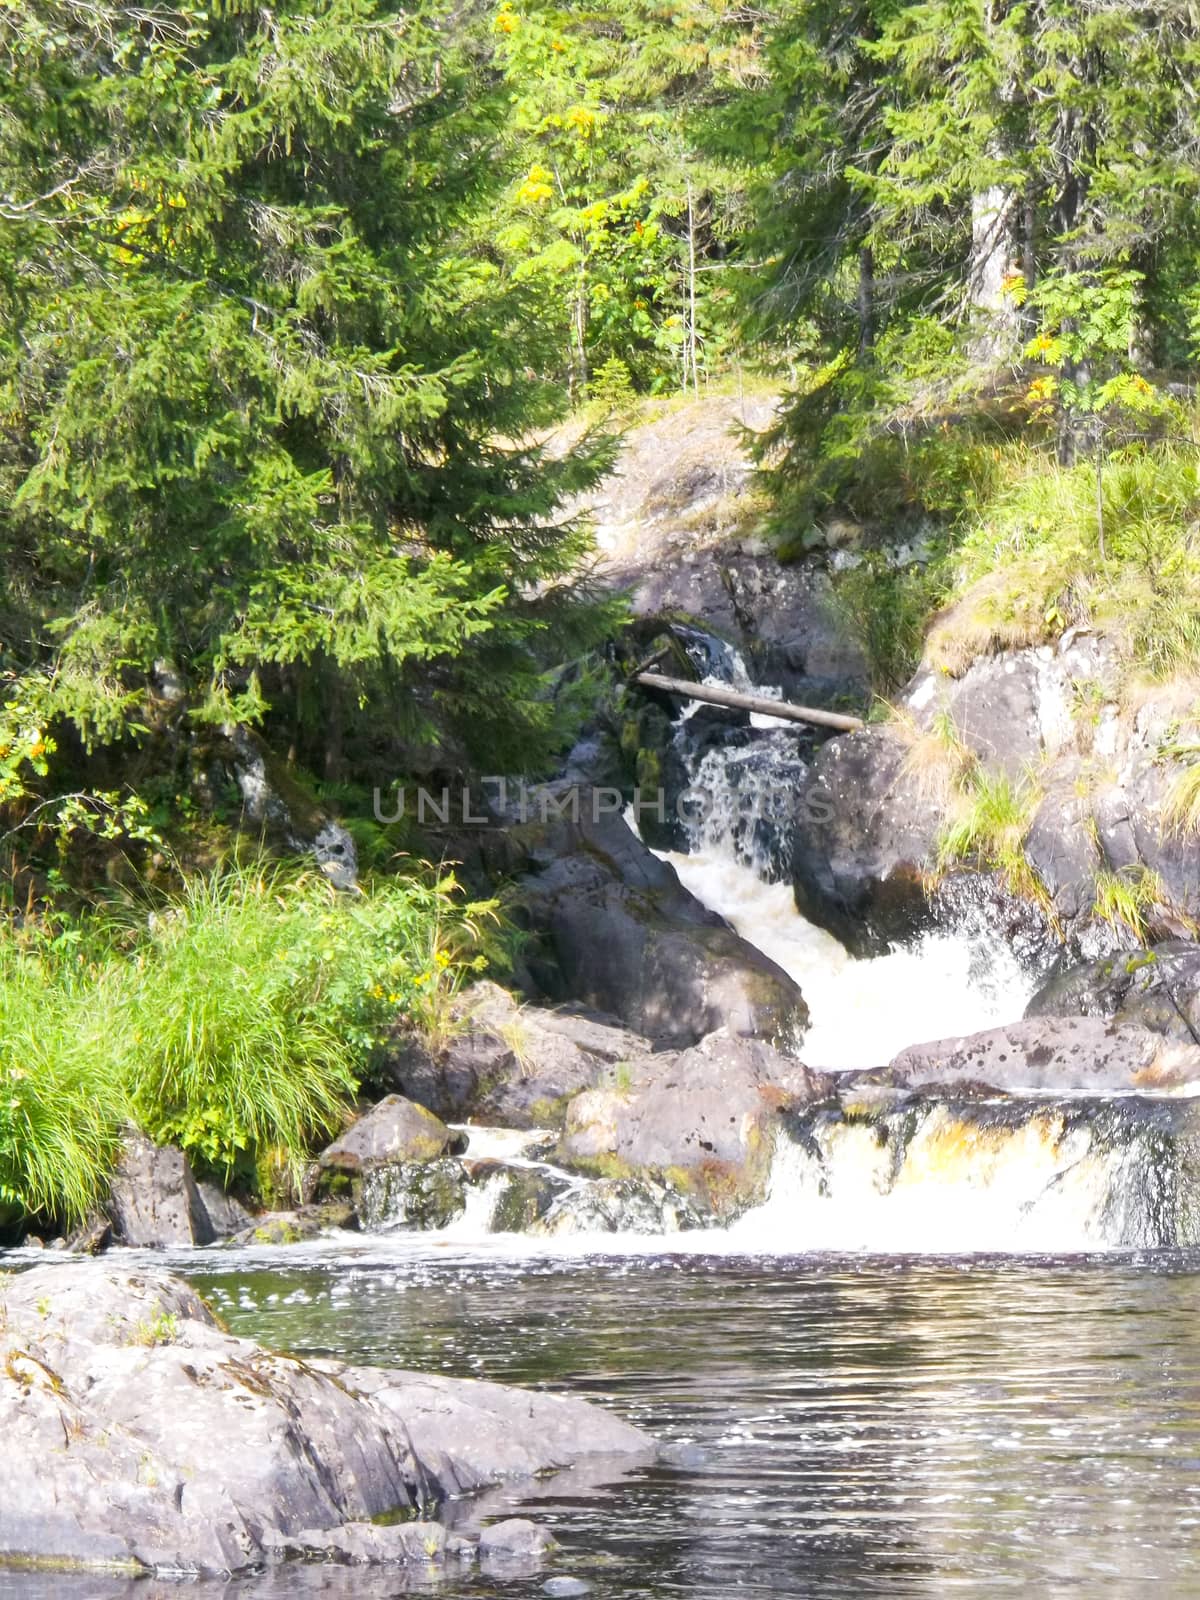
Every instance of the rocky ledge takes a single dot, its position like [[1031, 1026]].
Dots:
[[141, 1436]]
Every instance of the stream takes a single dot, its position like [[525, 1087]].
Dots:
[[953, 1352], [835, 1427]]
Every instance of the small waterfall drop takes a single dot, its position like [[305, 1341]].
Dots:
[[737, 863]]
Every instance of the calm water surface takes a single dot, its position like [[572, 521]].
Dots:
[[835, 1428]]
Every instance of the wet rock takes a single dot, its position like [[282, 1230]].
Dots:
[[359, 1544], [153, 1201], [528, 1194], [466, 1434], [864, 839], [621, 934], [518, 1537], [296, 1227], [640, 1204], [225, 1212], [414, 1195], [1157, 988], [139, 1434], [707, 1116], [1050, 1055], [394, 1131]]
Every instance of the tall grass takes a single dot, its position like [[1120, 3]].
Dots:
[[235, 1020], [63, 1090], [1039, 558]]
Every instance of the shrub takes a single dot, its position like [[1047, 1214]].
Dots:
[[257, 1000]]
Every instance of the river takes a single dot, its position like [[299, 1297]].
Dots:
[[835, 1427]]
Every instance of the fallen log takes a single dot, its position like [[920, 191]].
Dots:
[[716, 694]]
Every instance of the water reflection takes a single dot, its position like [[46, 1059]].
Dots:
[[835, 1428]]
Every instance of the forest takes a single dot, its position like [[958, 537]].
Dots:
[[318, 322]]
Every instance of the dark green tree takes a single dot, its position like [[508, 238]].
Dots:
[[262, 411]]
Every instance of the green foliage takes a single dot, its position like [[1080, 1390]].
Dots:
[[613, 215], [986, 824], [255, 1005], [1125, 899], [266, 406], [1181, 814], [888, 606], [1029, 565], [63, 1094], [236, 1021]]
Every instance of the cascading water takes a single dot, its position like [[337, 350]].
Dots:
[[923, 1174], [863, 1011]]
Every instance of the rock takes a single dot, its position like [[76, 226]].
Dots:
[[140, 1435], [621, 934], [707, 1117], [1157, 988], [359, 1544], [91, 1236], [153, 1200], [295, 1227], [518, 1537], [467, 1434], [636, 1204], [511, 1064], [864, 838], [668, 522], [413, 1195], [226, 1214], [566, 1588], [529, 1193], [274, 804], [394, 1131], [1045, 1055]]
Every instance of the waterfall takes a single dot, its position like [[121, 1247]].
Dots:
[[935, 1177], [738, 864]]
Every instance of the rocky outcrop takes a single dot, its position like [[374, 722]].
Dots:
[[620, 933], [1157, 988], [153, 1199], [140, 1435], [1055, 717], [512, 1064], [707, 1117], [1058, 1056], [863, 842], [395, 1130], [670, 522]]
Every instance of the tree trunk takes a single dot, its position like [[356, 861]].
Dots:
[[866, 301], [992, 311], [715, 694]]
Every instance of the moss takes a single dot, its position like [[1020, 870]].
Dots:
[[551, 1113], [606, 1165]]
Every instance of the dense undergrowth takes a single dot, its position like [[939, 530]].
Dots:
[[1014, 549], [236, 1019]]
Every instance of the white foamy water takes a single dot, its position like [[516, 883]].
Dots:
[[863, 1012]]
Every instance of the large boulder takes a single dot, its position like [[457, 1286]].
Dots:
[[140, 1435], [707, 1117], [510, 1063], [622, 934], [1041, 1055], [1157, 988], [395, 1130], [864, 840], [153, 1199]]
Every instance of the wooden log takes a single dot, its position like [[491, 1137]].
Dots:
[[716, 694]]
